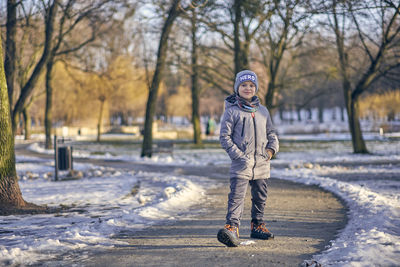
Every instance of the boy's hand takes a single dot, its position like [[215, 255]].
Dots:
[[270, 153]]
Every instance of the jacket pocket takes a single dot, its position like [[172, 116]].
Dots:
[[244, 124], [264, 152]]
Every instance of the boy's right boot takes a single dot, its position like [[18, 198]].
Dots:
[[260, 231], [229, 235]]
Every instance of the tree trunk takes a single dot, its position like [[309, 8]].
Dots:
[[321, 112], [298, 114], [49, 100], [100, 120], [27, 123], [350, 101], [30, 84], [9, 63], [342, 111], [309, 114], [195, 85], [354, 123], [269, 97], [10, 193], [152, 98], [237, 6], [244, 55], [282, 118]]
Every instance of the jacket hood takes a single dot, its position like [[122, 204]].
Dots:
[[230, 101]]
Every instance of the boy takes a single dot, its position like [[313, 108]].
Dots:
[[248, 136]]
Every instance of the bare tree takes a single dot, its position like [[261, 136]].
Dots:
[[195, 82], [10, 194], [376, 24], [284, 31], [173, 13], [237, 22], [175, 10], [50, 15], [248, 18], [73, 17]]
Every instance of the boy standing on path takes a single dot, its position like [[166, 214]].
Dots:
[[249, 138]]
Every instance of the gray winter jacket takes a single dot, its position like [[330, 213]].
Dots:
[[246, 139]]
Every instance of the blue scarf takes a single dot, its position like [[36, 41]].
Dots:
[[248, 106]]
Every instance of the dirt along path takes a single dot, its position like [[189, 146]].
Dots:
[[303, 218]]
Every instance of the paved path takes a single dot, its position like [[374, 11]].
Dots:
[[303, 218]]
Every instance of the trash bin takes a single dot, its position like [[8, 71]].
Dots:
[[65, 158]]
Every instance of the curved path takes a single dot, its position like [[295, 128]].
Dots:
[[303, 218]]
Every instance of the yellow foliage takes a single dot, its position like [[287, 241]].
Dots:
[[179, 104], [380, 106], [78, 94]]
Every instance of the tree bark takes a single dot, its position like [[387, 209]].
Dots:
[[240, 54], [357, 138], [281, 117], [358, 142], [298, 114], [27, 123], [321, 112], [30, 84], [269, 96], [152, 98], [309, 117], [342, 111], [195, 85], [10, 55], [49, 100], [10, 193], [100, 120]]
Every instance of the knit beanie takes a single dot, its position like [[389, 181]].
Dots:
[[244, 76]]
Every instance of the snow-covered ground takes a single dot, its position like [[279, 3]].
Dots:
[[103, 203], [108, 201]]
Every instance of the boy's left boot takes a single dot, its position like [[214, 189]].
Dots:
[[229, 235], [260, 231]]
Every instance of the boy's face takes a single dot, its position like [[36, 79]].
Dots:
[[247, 90]]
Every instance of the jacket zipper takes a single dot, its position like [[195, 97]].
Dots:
[[255, 141], [244, 124]]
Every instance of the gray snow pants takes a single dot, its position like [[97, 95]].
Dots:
[[236, 200]]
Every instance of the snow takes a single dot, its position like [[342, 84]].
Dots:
[[247, 243], [99, 207], [108, 201], [372, 234]]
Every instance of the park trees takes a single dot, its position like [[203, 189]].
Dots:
[[157, 76], [195, 92], [50, 10], [174, 11], [10, 193], [88, 17], [62, 21], [191, 63], [237, 23], [285, 30], [375, 27]]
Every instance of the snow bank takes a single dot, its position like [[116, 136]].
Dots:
[[372, 234], [98, 209]]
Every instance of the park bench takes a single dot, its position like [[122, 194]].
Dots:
[[166, 147]]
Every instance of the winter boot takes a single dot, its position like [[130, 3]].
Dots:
[[260, 231], [229, 235]]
